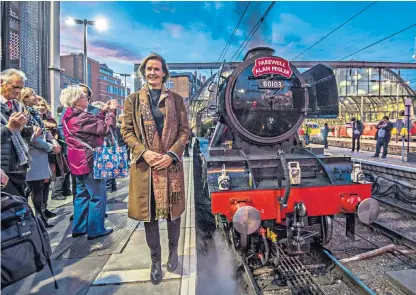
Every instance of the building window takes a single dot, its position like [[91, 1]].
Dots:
[[170, 84], [108, 88]]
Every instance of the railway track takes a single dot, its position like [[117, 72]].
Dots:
[[397, 207], [395, 235], [291, 276]]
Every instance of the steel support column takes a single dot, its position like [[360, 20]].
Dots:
[[54, 56]]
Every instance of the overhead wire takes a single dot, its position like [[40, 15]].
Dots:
[[379, 41], [252, 32], [330, 33], [224, 51]]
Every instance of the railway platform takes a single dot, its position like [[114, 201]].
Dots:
[[118, 263], [366, 157]]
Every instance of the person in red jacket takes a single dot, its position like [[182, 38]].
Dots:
[[83, 132]]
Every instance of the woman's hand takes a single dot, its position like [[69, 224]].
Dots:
[[151, 157], [49, 124], [114, 104], [56, 149], [163, 163], [4, 178]]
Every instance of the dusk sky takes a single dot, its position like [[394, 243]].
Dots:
[[198, 31]]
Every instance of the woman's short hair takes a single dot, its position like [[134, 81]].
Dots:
[[48, 107], [154, 56], [24, 94], [70, 95], [98, 104]]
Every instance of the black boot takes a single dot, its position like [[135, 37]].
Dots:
[[156, 273], [174, 229], [48, 213], [173, 261], [44, 218]]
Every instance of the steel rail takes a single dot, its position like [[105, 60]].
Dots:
[[248, 276], [395, 235], [348, 277], [396, 207]]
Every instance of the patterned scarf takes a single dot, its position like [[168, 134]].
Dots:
[[167, 183], [19, 144], [34, 118]]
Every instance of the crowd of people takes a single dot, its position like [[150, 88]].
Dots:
[[36, 149], [42, 155]]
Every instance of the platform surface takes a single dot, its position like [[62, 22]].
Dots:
[[119, 263], [404, 280]]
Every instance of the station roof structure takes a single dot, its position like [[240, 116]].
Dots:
[[367, 90]]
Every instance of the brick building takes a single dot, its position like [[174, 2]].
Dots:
[[185, 84], [101, 78]]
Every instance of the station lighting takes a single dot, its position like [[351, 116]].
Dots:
[[100, 24], [70, 21]]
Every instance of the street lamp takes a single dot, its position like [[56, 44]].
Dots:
[[100, 24], [125, 80]]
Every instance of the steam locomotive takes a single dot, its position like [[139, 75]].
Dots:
[[265, 187]]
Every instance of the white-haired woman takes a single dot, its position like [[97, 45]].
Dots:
[[83, 132]]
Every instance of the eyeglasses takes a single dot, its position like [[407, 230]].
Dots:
[[17, 87]]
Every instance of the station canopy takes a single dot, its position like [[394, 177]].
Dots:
[[365, 93]]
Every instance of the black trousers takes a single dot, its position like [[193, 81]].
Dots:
[[325, 142], [153, 235], [356, 137], [62, 186], [381, 142], [111, 184], [39, 195]]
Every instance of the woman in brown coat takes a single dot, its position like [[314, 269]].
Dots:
[[156, 129]]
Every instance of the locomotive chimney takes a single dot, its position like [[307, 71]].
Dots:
[[259, 51]]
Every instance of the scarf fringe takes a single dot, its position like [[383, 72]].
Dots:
[[175, 197], [162, 213]]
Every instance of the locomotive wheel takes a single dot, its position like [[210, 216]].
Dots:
[[239, 241], [327, 228]]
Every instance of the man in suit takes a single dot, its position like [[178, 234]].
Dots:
[[14, 150]]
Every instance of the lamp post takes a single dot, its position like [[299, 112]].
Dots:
[[125, 81], [100, 24]]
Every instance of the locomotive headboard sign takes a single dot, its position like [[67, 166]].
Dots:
[[272, 65]]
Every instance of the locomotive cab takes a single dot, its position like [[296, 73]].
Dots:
[[263, 183]]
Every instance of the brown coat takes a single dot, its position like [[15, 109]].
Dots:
[[132, 130]]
